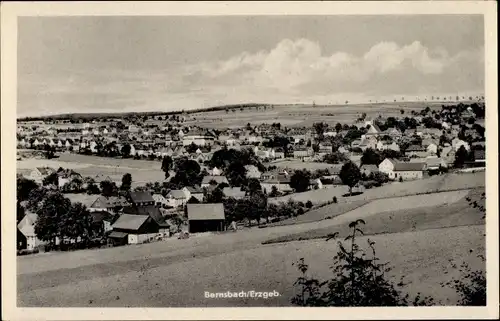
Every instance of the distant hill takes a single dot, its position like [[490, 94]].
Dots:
[[91, 116]]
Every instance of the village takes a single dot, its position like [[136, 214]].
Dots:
[[220, 180]]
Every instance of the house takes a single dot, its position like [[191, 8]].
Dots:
[[316, 183], [215, 171], [160, 200], [217, 179], [435, 163], [176, 198], [141, 198], [373, 130], [300, 153], [457, 143], [133, 229], [382, 145], [66, 176], [111, 204], [479, 157], [431, 147], [368, 169], [416, 151], [193, 191], [197, 138], [102, 221], [392, 132], [233, 192], [387, 167], [252, 171], [26, 228], [281, 182], [205, 217], [39, 173], [407, 171]]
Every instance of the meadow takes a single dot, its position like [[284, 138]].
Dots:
[[142, 171], [300, 115], [432, 184]]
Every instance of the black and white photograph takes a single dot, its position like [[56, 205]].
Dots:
[[252, 160]]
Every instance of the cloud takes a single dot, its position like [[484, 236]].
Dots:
[[294, 65], [292, 71]]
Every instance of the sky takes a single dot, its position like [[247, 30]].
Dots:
[[110, 64]]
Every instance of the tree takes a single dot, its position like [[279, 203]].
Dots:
[[359, 279], [335, 158], [49, 151], [178, 221], [274, 191], [236, 174], [108, 188], [371, 157], [191, 148], [51, 179], [126, 182], [19, 211], [125, 150], [461, 156], [187, 173], [166, 165], [24, 188], [309, 204], [320, 129], [402, 111], [338, 127], [350, 175], [300, 180], [253, 186], [51, 217], [216, 196]]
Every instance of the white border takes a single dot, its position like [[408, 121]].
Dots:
[[10, 12]]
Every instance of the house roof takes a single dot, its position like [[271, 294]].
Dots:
[[109, 202], [408, 167], [46, 170], [140, 197], [158, 197], [27, 224], [415, 148], [130, 222], [205, 211], [177, 194], [233, 192], [219, 179], [194, 189], [117, 235], [369, 167]]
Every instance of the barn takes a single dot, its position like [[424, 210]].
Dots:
[[205, 217]]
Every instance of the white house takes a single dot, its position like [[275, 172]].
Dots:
[[27, 227], [457, 143], [160, 200], [193, 191], [176, 198], [408, 171], [387, 167]]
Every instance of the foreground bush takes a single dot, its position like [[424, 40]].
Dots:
[[359, 279]]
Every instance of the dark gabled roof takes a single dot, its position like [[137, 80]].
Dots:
[[194, 189], [370, 167], [140, 197], [130, 222], [206, 211], [409, 167], [479, 154], [149, 210], [415, 148]]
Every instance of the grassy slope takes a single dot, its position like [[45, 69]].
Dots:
[[401, 220], [427, 185], [422, 257]]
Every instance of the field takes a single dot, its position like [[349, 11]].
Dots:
[[428, 185], [418, 234], [142, 171], [301, 115], [402, 214]]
